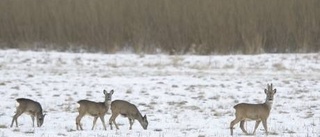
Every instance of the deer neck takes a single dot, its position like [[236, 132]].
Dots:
[[107, 103], [139, 117], [268, 103], [39, 114]]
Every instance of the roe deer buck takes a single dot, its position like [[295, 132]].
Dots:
[[30, 107], [257, 112], [95, 109], [129, 110]]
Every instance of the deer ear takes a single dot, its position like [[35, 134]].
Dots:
[[104, 91], [265, 91], [275, 91], [111, 92], [145, 116]]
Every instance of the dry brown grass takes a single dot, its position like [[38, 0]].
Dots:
[[173, 26], [3, 126]]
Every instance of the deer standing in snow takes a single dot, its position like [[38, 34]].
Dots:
[[30, 107], [257, 112], [95, 109], [128, 110]]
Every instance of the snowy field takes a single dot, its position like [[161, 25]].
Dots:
[[182, 96]]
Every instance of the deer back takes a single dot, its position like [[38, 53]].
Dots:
[[252, 111], [124, 108], [92, 108], [29, 106], [95, 108], [129, 110]]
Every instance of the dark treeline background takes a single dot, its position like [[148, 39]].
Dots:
[[167, 26]]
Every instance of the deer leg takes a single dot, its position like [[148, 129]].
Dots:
[[264, 122], [103, 123], [15, 118], [113, 120], [32, 117], [78, 123], [232, 124], [242, 126], [94, 122], [110, 122], [256, 126], [38, 122], [131, 123]]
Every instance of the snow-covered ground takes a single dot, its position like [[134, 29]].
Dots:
[[182, 96]]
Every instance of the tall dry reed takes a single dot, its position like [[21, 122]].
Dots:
[[170, 26]]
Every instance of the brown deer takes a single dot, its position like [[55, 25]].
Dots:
[[129, 110], [257, 112], [30, 107], [95, 109]]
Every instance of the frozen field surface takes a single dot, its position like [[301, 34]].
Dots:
[[182, 96]]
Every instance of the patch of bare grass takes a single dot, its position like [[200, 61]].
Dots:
[[273, 133], [176, 60], [16, 87], [16, 130], [228, 66], [29, 132], [129, 91], [279, 66], [181, 103], [56, 95], [3, 126]]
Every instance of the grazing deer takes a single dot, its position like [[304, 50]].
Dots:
[[129, 110], [95, 109], [257, 112], [30, 107]]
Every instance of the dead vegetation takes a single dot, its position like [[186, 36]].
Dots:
[[153, 26]]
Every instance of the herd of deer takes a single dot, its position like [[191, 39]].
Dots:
[[244, 111]]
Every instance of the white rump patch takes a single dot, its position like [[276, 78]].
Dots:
[[17, 104]]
